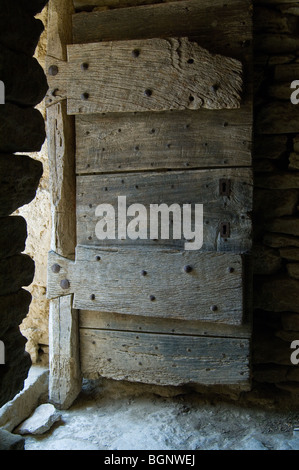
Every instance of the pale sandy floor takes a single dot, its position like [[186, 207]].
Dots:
[[113, 417]]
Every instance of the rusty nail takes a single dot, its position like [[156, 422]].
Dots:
[[188, 269], [136, 53], [55, 268], [84, 96], [53, 70], [152, 298], [84, 66], [65, 284], [148, 93], [214, 308]]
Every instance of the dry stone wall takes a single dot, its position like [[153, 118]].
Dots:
[[22, 130], [276, 195]]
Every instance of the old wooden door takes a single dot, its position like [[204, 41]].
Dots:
[[157, 99]]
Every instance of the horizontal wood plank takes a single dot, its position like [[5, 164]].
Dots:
[[189, 187], [198, 19], [114, 321], [90, 4], [152, 283], [167, 140], [164, 359], [150, 75]]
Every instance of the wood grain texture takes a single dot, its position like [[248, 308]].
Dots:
[[192, 187], [167, 140], [164, 359], [88, 4], [167, 74], [65, 373], [89, 319], [217, 26], [62, 179], [212, 292], [65, 377]]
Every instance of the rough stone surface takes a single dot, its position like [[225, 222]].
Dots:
[[265, 260], [13, 234], [19, 30], [13, 308], [40, 421], [10, 441], [38, 217], [21, 129], [120, 416], [15, 371], [34, 393], [15, 272], [19, 179], [24, 78]]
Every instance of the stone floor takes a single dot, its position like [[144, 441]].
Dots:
[[110, 416]]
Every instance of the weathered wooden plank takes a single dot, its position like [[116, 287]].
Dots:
[[167, 140], [192, 187], [114, 321], [61, 148], [150, 75], [65, 375], [152, 283], [58, 36], [191, 18], [164, 359], [88, 4]]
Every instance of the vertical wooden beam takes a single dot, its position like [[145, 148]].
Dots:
[[65, 373], [65, 383]]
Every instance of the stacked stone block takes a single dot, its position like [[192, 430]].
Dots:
[[276, 194], [22, 129]]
